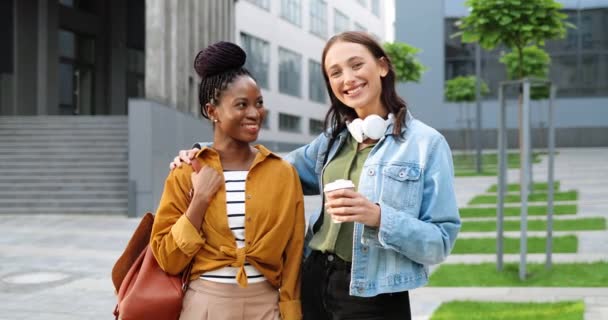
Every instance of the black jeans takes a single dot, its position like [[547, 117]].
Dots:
[[325, 294]]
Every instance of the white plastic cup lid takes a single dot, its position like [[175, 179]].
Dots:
[[339, 184]]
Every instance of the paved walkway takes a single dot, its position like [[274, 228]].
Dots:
[[579, 169], [58, 267]]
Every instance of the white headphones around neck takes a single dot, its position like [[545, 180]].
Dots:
[[373, 127]]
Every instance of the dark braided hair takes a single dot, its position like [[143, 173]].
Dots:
[[218, 65]]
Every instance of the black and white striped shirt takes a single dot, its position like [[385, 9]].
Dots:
[[235, 208]]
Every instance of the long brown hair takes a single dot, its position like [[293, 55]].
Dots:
[[339, 113]]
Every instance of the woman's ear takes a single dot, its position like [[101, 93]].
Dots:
[[383, 64], [211, 111]]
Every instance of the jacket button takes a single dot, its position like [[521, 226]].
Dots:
[[364, 249], [371, 172], [248, 196], [401, 174]]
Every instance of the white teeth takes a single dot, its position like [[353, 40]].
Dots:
[[353, 91]]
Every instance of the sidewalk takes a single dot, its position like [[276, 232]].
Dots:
[[57, 267], [579, 169]]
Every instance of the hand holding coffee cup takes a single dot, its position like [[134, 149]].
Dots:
[[338, 185], [346, 205]]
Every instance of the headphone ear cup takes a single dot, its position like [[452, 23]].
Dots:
[[374, 126], [355, 128]]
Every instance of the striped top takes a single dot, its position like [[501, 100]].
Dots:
[[235, 208]]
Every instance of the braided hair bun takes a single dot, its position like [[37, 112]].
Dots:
[[218, 58]]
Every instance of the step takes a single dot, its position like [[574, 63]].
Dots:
[[61, 180], [63, 151], [82, 157], [64, 194], [64, 203], [70, 171], [121, 210], [38, 186], [60, 164], [58, 143]]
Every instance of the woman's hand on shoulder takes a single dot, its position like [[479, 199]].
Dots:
[[184, 156]]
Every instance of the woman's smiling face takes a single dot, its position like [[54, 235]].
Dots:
[[355, 77]]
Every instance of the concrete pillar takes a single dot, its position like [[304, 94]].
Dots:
[[175, 32]]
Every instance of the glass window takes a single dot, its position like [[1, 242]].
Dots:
[[136, 68], [290, 123], [341, 22], [316, 83], [67, 44], [84, 5], [376, 7], [318, 18], [362, 2], [258, 58], [266, 121], [66, 84], [264, 4], [315, 127], [360, 27], [291, 11], [290, 72]]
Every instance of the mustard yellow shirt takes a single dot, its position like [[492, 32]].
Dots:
[[274, 224]]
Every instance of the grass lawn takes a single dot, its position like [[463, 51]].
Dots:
[[464, 164], [539, 186], [472, 310], [557, 196], [537, 225], [485, 275], [566, 244], [515, 211]]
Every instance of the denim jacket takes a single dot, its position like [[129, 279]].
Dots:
[[412, 181]]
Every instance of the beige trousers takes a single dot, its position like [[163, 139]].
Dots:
[[208, 300]]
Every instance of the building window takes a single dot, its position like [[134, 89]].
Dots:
[[579, 62], [362, 2], [291, 11], [266, 121], [290, 123], [264, 4], [290, 72], [258, 58], [83, 5], [316, 83], [376, 7], [315, 127], [318, 18], [136, 68], [360, 27], [341, 22]]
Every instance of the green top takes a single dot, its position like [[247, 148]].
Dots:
[[338, 237]]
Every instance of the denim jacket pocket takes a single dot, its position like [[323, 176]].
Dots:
[[401, 185]]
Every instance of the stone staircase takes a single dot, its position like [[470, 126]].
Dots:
[[64, 164]]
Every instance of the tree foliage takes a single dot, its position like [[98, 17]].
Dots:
[[535, 64], [403, 56], [462, 89], [514, 23]]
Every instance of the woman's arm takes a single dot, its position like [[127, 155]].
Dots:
[[306, 159], [175, 240], [289, 296], [428, 238]]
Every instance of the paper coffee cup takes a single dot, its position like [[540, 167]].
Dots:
[[337, 185]]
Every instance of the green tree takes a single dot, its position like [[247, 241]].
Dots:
[[462, 91], [403, 56], [535, 65], [514, 23]]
